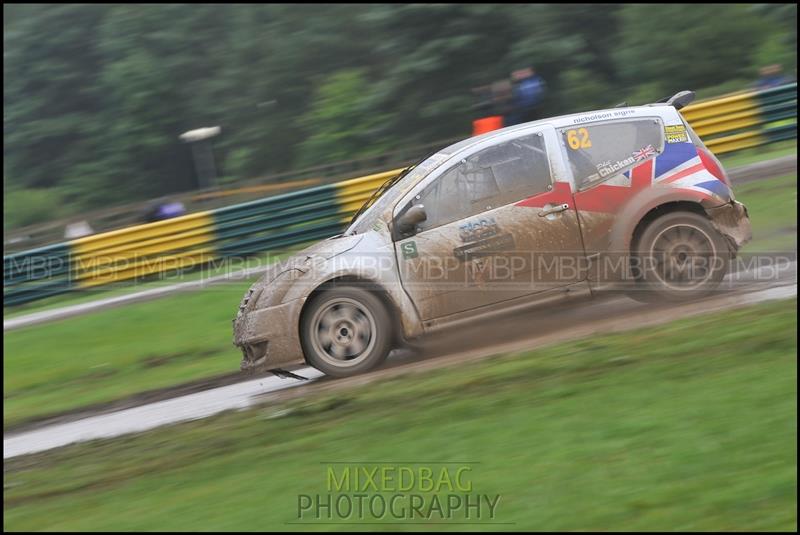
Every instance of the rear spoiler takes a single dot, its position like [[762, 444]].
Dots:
[[679, 100]]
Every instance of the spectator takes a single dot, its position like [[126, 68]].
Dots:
[[528, 91], [164, 210], [508, 102], [502, 97], [771, 76]]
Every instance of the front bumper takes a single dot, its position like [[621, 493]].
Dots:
[[269, 337]]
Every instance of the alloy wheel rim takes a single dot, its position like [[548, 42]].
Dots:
[[343, 332], [683, 256]]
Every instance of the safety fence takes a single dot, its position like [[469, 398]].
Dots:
[[726, 124], [121, 216], [745, 120], [186, 242]]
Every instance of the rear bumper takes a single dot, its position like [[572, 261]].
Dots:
[[269, 337], [733, 222]]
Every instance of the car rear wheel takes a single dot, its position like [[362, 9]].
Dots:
[[679, 256], [345, 331]]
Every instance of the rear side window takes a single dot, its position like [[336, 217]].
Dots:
[[493, 177], [601, 151], [693, 135]]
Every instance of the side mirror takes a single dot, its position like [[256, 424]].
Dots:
[[411, 218]]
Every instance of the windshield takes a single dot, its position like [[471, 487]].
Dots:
[[365, 221]]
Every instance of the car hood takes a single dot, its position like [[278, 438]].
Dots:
[[331, 247], [301, 262]]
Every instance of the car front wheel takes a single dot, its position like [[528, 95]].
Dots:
[[345, 331]]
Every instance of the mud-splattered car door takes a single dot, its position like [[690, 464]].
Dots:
[[613, 163], [497, 228]]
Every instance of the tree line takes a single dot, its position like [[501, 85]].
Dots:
[[95, 96]]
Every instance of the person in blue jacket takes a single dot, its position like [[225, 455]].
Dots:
[[528, 92]]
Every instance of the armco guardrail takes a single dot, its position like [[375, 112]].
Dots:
[[184, 242], [726, 124], [117, 217], [745, 120]]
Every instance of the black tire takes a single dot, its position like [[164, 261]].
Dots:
[[679, 256], [346, 330]]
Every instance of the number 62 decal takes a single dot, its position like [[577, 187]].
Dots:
[[578, 139]]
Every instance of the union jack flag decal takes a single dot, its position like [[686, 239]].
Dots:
[[644, 153]]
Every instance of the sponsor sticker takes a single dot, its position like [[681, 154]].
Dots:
[[602, 116], [478, 229], [609, 167], [612, 167], [409, 249], [380, 226], [676, 133], [486, 247]]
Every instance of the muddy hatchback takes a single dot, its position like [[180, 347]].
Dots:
[[626, 199]]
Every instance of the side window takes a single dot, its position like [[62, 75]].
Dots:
[[493, 177], [601, 151]]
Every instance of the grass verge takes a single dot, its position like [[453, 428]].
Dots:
[[222, 266], [772, 205], [688, 426], [759, 154]]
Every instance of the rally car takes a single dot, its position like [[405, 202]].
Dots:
[[624, 199]]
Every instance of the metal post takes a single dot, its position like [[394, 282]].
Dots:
[[203, 154]]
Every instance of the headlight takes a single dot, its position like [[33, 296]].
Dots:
[[275, 290], [249, 300]]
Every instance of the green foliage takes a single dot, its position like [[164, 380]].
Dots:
[[777, 49], [682, 46], [725, 88], [782, 19], [581, 88], [30, 206], [95, 96], [339, 121]]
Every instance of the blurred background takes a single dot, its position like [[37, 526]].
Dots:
[[143, 141], [96, 96]]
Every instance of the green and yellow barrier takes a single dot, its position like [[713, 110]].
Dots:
[[745, 120], [130, 252], [351, 194]]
